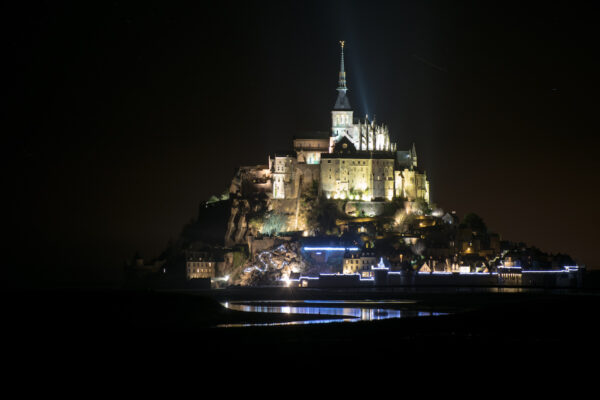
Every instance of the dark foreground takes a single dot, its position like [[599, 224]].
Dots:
[[498, 326]]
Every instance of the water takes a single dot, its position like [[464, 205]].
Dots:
[[327, 308]]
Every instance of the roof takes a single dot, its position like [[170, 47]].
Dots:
[[290, 154], [404, 158], [342, 102], [365, 155], [312, 135], [344, 146], [361, 254]]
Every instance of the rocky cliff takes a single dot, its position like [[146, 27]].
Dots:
[[242, 211]]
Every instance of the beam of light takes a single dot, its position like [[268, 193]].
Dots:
[[429, 63]]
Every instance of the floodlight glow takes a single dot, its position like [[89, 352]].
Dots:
[[504, 267], [546, 272], [474, 273], [330, 248]]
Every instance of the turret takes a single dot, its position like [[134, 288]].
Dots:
[[413, 155]]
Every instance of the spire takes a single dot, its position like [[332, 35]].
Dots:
[[342, 77], [342, 102]]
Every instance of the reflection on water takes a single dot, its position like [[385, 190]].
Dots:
[[365, 302], [342, 314]]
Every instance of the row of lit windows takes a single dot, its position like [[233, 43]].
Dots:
[[357, 261], [344, 161], [310, 145], [342, 119], [200, 270], [198, 264]]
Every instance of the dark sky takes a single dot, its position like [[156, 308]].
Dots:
[[123, 116]]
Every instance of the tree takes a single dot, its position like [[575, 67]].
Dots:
[[323, 215], [474, 222], [274, 222], [422, 207], [391, 207], [212, 199]]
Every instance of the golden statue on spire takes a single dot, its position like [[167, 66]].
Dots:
[[342, 43]]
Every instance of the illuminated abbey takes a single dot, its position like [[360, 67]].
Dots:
[[357, 161], [378, 195]]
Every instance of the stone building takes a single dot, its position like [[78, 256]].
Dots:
[[350, 174], [358, 161], [251, 180], [310, 148], [282, 175], [359, 263], [201, 265]]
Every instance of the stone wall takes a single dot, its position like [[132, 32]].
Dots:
[[370, 208], [251, 180], [309, 173]]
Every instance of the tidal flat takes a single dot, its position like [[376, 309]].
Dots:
[[171, 322]]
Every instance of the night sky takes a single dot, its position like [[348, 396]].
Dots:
[[123, 116]]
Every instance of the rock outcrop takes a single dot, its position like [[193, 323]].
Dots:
[[275, 264], [242, 211]]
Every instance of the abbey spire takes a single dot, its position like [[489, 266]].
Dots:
[[342, 102], [342, 76]]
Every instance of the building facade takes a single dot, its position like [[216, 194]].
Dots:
[[199, 265], [359, 263], [309, 150], [283, 176], [347, 173]]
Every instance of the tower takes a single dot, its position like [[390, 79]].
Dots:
[[413, 155], [342, 114]]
